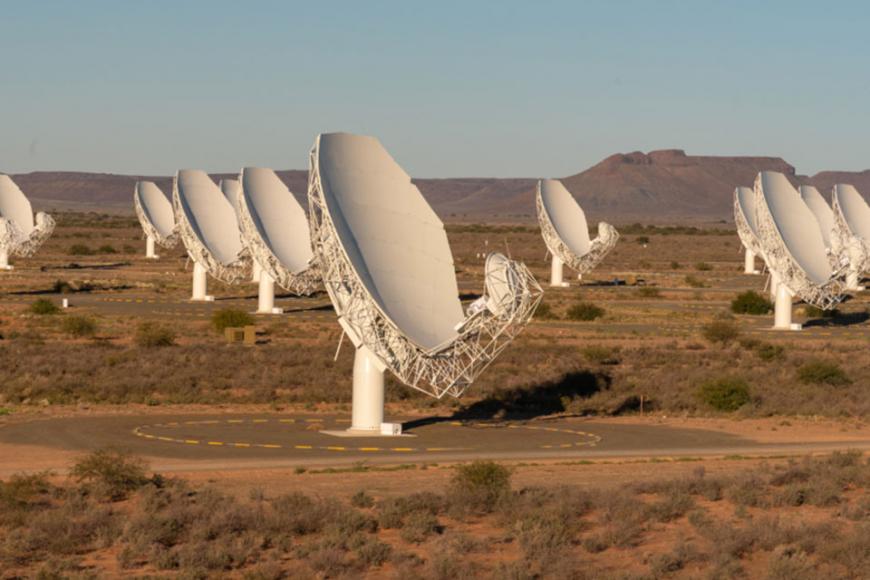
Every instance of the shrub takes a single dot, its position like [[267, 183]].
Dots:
[[44, 306], [721, 330], [600, 355], [544, 312], [153, 334], [80, 250], [584, 311], [815, 312], [648, 292], [642, 240], [112, 471], [769, 352], [107, 249], [703, 267], [818, 372], [694, 282], [362, 500], [724, 394], [751, 302], [675, 265], [79, 326], [230, 318], [481, 485]]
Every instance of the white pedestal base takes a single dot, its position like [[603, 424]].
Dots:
[[255, 272], [749, 263], [782, 310], [200, 283], [4, 260], [556, 280], [266, 297], [774, 283], [149, 248]]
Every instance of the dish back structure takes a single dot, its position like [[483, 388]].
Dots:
[[208, 226], [852, 225], [155, 214], [793, 245], [274, 228], [20, 234], [565, 231], [388, 269]]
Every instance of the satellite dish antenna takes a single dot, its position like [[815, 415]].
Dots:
[[852, 231], [566, 234], [209, 229], [793, 248], [232, 190], [388, 269], [274, 228], [747, 229], [20, 234], [155, 214]]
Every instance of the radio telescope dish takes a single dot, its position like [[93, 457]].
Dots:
[[209, 229], [747, 228], [20, 234], [232, 190], [155, 214], [566, 234], [852, 230], [793, 248], [388, 269], [275, 230]]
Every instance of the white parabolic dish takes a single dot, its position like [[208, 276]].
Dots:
[[275, 229], [820, 209], [232, 190], [208, 226], [744, 219], [387, 267], [565, 230], [793, 245], [20, 235], [854, 210], [155, 214]]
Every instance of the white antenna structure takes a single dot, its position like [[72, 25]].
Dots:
[[793, 248], [388, 269], [566, 233], [155, 214], [747, 229], [852, 231], [274, 228], [209, 229], [232, 190], [20, 234]]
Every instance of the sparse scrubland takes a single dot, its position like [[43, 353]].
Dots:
[[111, 516]]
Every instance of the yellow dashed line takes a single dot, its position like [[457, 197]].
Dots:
[[368, 449], [334, 448], [303, 447], [241, 444], [191, 441], [215, 442]]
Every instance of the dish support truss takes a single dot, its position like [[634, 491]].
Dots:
[[846, 247], [303, 283], [789, 273], [448, 369], [169, 241], [200, 254], [13, 240], [600, 246]]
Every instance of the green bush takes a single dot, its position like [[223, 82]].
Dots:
[[544, 312], [819, 372], [648, 292], [584, 311], [751, 302], [111, 471], [703, 267], [79, 326], [153, 334], [721, 330], [694, 282], [480, 485], [230, 318], [642, 240], [815, 312], [770, 352], [80, 250], [675, 265], [107, 249], [44, 306], [600, 355], [724, 394]]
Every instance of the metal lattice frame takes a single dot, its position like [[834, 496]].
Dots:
[[445, 370], [600, 246], [744, 230], [198, 252], [26, 246], [303, 283], [780, 260], [169, 241], [845, 244]]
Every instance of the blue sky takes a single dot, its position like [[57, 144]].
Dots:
[[451, 88]]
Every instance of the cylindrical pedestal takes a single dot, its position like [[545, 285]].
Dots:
[[149, 248], [266, 298], [749, 262], [782, 309], [774, 284], [255, 272], [556, 273], [199, 282], [368, 392], [4, 259]]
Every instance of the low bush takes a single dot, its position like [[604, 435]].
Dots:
[[480, 485], [751, 302], [584, 311], [107, 249], [152, 334], [80, 250], [545, 312], [676, 265], [111, 471], [694, 282], [769, 352], [703, 267], [600, 355], [79, 326], [44, 306], [648, 292], [721, 330], [819, 372], [724, 394], [643, 240], [230, 318]]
